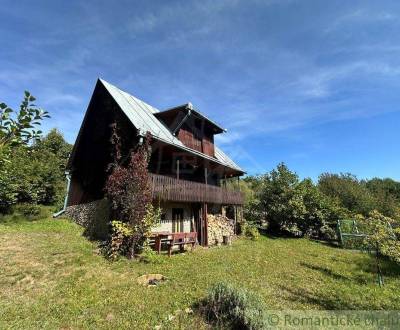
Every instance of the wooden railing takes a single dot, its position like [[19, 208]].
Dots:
[[170, 189]]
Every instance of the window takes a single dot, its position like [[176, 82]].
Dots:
[[177, 220]]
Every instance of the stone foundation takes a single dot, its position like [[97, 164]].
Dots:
[[93, 216], [218, 227]]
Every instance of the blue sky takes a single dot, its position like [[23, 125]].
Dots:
[[315, 84]]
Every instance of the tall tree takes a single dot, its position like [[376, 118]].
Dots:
[[128, 189]]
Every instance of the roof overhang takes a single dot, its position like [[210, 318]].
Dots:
[[188, 108], [230, 170]]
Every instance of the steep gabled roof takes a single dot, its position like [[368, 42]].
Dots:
[[189, 107], [142, 116]]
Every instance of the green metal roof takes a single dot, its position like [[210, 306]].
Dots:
[[142, 116]]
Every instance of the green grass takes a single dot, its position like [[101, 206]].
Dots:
[[52, 277]]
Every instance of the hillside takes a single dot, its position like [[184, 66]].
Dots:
[[51, 276]]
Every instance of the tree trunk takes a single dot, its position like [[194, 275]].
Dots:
[[378, 268]]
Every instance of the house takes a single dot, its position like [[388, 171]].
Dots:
[[188, 172]]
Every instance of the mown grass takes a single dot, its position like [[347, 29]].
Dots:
[[52, 277]]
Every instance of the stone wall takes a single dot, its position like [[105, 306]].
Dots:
[[93, 216], [219, 226]]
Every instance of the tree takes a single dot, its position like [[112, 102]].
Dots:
[[20, 128], [316, 208], [348, 191], [35, 173], [290, 205], [55, 144], [17, 130], [381, 238], [386, 193], [129, 191]]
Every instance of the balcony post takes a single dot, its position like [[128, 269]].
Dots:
[[205, 223], [205, 210]]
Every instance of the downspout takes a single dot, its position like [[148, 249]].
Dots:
[[68, 177]]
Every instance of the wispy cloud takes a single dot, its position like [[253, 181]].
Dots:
[[263, 69]]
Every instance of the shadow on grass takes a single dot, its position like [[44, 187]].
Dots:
[[333, 244], [278, 236], [334, 275], [328, 302], [389, 268]]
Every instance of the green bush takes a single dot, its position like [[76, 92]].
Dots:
[[230, 307], [250, 231], [120, 233], [150, 256], [327, 233], [25, 212], [33, 174]]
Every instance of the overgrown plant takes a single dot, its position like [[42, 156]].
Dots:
[[20, 166], [128, 189], [120, 234], [250, 231], [382, 239], [234, 308]]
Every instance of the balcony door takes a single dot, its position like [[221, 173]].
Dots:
[[177, 220]]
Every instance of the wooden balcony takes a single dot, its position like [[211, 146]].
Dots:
[[170, 189]]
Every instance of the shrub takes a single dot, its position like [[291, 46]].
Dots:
[[120, 233], [231, 307], [28, 210], [129, 192], [327, 233], [33, 174], [291, 206], [250, 231], [25, 212], [119, 242], [31, 211], [150, 256]]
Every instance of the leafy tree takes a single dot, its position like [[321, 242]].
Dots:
[[285, 204], [387, 196], [20, 128], [387, 186], [55, 144], [348, 191], [279, 200], [362, 196], [316, 208], [128, 189], [8, 188], [290, 205], [381, 238], [252, 211], [34, 174]]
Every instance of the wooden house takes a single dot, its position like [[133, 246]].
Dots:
[[188, 172]]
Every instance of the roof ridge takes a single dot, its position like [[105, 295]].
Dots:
[[139, 112]]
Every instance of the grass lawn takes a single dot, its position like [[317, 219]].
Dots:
[[52, 277]]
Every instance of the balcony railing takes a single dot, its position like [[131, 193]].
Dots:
[[171, 189]]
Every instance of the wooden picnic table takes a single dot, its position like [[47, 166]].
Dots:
[[179, 239], [158, 237]]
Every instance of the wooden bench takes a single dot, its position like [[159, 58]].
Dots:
[[158, 238], [181, 239]]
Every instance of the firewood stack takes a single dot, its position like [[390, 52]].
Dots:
[[218, 227]]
